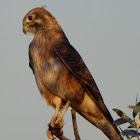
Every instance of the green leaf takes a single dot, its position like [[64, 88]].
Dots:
[[124, 116], [134, 114], [123, 133], [133, 126], [121, 114], [132, 133], [120, 121], [135, 108]]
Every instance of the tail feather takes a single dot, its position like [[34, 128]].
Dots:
[[90, 111], [108, 128]]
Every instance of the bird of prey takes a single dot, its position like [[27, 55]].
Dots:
[[61, 74]]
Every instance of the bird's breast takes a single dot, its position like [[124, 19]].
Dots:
[[48, 69], [56, 77], [53, 69]]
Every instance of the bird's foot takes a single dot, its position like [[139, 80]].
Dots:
[[57, 122], [53, 131], [50, 135]]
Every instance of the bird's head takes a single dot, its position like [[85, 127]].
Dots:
[[39, 20]]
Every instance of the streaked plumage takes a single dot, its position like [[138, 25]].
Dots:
[[61, 75]]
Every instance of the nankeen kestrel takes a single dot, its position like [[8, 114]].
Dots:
[[61, 74]]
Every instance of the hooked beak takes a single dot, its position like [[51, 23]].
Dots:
[[25, 29]]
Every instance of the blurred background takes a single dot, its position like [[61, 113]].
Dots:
[[106, 34]]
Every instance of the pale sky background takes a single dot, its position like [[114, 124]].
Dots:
[[107, 35]]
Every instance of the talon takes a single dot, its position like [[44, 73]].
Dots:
[[50, 136], [61, 131], [59, 122], [53, 120]]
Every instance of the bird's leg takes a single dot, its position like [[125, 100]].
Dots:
[[60, 120], [52, 126], [57, 122], [57, 109]]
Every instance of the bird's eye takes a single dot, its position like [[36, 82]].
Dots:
[[30, 18]]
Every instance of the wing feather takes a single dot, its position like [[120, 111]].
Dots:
[[73, 61]]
